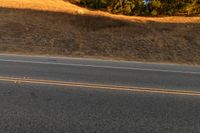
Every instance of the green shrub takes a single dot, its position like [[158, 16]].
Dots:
[[93, 3]]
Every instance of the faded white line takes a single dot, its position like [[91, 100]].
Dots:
[[100, 66], [89, 59]]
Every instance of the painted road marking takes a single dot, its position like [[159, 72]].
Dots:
[[101, 66], [100, 86]]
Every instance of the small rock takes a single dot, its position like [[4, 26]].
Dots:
[[79, 11]]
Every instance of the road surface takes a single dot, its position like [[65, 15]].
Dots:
[[55, 94]]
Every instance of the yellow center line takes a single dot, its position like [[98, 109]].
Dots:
[[100, 86]]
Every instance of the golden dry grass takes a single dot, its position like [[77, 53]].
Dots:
[[63, 6], [60, 28]]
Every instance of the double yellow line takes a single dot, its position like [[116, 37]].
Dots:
[[100, 86]]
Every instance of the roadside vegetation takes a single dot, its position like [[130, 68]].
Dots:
[[144, 7], [60, 28]]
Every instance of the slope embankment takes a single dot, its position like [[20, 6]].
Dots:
[[59, 28]]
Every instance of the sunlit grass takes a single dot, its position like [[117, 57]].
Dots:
[[63, 6]]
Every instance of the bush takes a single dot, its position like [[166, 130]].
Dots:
[[123, 6], [93, 3]]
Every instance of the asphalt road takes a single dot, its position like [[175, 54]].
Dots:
[[103, 72], [35, 108]]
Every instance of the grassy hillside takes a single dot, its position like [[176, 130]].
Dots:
[[60, 28]]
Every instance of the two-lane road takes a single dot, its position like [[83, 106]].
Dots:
[[55, 94], [103, 72]]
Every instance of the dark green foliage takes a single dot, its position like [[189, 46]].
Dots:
[[93, 3], [174, 7], [139, 7], [128, 7]]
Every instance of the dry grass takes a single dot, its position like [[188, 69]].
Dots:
[[60, 28]]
